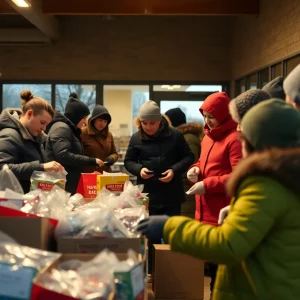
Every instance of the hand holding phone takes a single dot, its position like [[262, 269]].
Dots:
[[146, 174]]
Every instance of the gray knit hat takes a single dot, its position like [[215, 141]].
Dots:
[[275, 88], [291, 85], [242, 103], [150, 111]]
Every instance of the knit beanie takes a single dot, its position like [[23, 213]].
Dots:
[[100, 112], [76, 110], [150, 111], [242, 103], [291, 85], [176, 116], [275, 88], [272, 123]]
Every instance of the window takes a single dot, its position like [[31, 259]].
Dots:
[[291, 63], [251, 82], [240, 86], [85, 93], [190, 108], [276, 70], [263, 77], [11, 93], [187, 88]]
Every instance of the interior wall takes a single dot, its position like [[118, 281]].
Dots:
[[118, 103], [257, 41], [126, 48]]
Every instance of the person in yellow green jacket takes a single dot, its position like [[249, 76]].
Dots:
[[258, 245]]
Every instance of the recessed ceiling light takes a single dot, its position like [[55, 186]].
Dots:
[[21, 3]]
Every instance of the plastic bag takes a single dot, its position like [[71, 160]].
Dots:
[[47, 180], [8, 180]]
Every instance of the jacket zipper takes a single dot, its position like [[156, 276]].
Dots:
[[201, 209]]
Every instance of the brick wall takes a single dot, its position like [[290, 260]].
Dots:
[[126, 48], [264, 39]]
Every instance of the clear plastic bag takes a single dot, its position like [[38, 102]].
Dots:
[[47, 180], [8, 180]]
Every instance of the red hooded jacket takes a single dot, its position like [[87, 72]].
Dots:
[[220, 152]]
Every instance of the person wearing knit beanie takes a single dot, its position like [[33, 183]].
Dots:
[[242, 103], [275, 88], [291, 87], [76, 110], [150, 111], [272, 123], [176, 116]]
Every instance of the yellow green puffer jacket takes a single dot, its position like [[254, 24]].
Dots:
[[258, 246]]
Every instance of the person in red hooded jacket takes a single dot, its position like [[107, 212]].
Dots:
[[220, 152]]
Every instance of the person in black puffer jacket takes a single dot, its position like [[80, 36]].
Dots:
[[22, 137], [63, 143], [162, 149]]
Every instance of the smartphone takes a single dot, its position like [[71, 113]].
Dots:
[[149, 172]]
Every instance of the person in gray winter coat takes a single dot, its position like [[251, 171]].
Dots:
[[22, 137]]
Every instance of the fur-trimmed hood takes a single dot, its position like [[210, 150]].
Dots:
[[195, 128], [281, 164]]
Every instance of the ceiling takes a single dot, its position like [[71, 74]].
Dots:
[[38, 23]]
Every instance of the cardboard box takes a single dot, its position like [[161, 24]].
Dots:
[[135, 285], [87, 185], [29, 231], [95, 245], [177, 275], [114, 182]]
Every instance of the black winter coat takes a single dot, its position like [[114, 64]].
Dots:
[[64, 145], [167, 150], [22, 152]]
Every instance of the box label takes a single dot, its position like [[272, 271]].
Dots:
[[44, 186], [16, 283]]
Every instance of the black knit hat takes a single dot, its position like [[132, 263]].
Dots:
[[242, 103], [176, 116], [275, 88], [76, 110], [100, 112]]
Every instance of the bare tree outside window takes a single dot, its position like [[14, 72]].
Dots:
[[11, 93], [85, 93]]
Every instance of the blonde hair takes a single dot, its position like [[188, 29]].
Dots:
[[36, 104]]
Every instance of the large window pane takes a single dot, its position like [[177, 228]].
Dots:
[[86, 93], [187, 88], [190, 108], [241, 86], [276, 70], [123, 103], [263, 77], [11, 93]]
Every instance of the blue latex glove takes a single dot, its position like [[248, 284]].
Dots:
[[153, 227]]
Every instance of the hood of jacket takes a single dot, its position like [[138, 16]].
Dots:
[[59, 117], [195, 128], [217, 104], [282, 165], [10, 118]]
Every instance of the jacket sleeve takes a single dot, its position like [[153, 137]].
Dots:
[[257, 208], [186, 155], [9, 154], [113, 156], [61, 143], [215, 184], [131, 161]]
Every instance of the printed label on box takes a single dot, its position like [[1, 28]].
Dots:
[[44, 186], [16, 283]]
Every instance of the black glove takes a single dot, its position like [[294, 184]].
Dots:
[[153, 227], [109, 161]]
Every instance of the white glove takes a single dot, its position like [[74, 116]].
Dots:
[[197, 188], [223, 214], [193, 174]]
